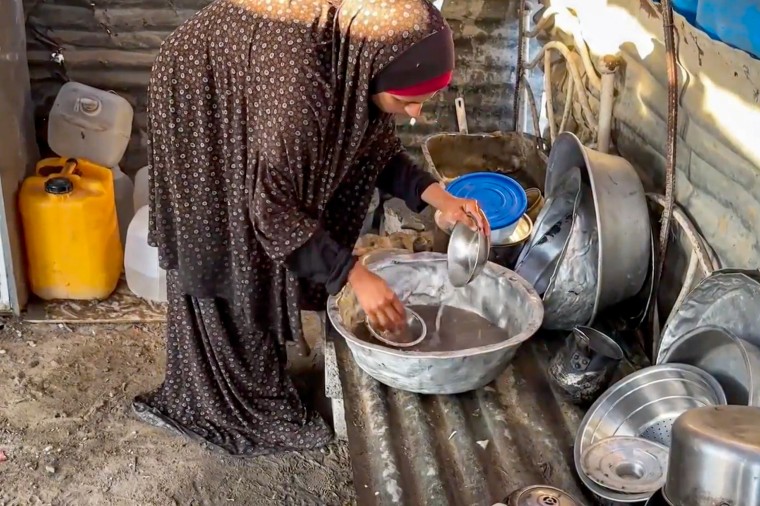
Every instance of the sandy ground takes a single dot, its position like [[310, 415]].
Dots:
[[67, 436]]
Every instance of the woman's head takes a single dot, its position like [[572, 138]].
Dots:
[[416, 75], [405, 46]]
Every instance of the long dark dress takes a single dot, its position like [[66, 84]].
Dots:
[[262, 139]]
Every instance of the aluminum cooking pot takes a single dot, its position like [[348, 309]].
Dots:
[[715, 457]]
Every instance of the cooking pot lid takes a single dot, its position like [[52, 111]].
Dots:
[[542, 495], [501, 198]]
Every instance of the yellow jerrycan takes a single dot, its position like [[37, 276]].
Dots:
[[71, 232]]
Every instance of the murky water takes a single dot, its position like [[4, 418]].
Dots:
[[448, 329]]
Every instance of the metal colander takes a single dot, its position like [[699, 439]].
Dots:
[[644, 404]]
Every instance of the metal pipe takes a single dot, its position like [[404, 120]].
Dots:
[[608, 65], [549, 96]]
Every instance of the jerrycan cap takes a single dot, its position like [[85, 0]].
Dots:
[[59, 186]]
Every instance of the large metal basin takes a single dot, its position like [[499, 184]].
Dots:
[[621, 213], [497, 294], [450, 155]]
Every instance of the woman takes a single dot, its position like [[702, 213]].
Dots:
[[271, 123]]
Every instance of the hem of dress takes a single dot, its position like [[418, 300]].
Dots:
[[154, 417]]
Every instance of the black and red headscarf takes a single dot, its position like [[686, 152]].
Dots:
[[426, 67]]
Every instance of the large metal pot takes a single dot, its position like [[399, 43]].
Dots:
[[715, 458], [732, 361], [621, 213], [497, 294]]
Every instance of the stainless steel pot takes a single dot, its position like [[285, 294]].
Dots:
[[621, 213], [644, 404], [715, 458], [732, 361]]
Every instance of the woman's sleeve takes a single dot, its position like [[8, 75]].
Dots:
[[404, 179], [323, 260]]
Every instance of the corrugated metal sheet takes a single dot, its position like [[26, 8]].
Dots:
[[485, 37], [469, 449], [718, 162], [111, 44]]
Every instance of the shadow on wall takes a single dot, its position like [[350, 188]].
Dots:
[[718, 157]]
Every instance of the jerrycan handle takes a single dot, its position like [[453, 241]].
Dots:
[[68, 168]]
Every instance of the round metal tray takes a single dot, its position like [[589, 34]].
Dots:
[[627, 464]]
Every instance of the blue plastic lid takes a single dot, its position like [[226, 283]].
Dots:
[[501, 198]]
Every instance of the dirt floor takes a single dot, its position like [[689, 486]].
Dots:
[[67, 435]]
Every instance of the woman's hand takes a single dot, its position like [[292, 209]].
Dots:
[[455, 210], [379, 302]]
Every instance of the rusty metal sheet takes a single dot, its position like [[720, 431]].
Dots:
[[469, 449]]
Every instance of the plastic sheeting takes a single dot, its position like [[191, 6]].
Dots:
[[18, 151]]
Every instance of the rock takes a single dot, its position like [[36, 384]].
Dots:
[[398, 218], [50, 469]]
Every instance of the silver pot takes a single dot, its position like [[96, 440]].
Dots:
[[497, 294], [732, 361], [715, 457], [621, 213]]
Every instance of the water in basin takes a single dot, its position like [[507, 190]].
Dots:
[[449, 328]]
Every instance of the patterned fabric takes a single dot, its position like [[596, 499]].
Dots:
[[261, 131]]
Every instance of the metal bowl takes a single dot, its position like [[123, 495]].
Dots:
[[415, 333], [467, 254], [734, 362], [715, 457], [498, 294], [569, 296], [621, 213], [644, 404], [504, 254], [538, 259], [728, 298], [535, 202]]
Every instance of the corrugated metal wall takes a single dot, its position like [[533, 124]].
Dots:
[[111, 44], [718, 165]]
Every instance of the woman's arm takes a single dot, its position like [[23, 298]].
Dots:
[[404, 179], [322, 260]]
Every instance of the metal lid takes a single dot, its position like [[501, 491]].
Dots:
[[542, 495], [59, 186], [627, 464], [501, 198]]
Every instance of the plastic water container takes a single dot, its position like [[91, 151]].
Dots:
[[142, 191], [688, 9], [71, 231], [90, 124], [144, 276], [736, 23], [501, 198], [125, 210]]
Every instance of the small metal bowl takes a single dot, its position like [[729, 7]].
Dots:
[[467, 254], [506, 253], [416, 331], [535, 202]]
